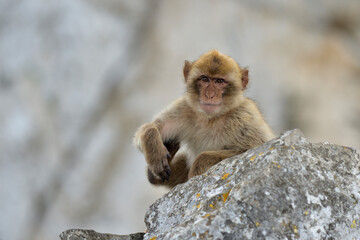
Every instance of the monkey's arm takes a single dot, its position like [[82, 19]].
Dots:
[[148, 140], [208, 159], [159, 141]]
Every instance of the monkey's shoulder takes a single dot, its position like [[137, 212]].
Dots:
[[247, 109], [249, 120]]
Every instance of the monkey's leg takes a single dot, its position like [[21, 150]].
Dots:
[[208, 159], [179, 173]]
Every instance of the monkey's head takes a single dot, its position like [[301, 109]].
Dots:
[[214, 83]]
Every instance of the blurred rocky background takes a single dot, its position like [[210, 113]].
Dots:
[[78, 77]]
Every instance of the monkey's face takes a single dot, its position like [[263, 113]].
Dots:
[[211, 90], [214, 83]]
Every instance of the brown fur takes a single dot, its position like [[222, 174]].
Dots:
[[189, 137], [179, 173]]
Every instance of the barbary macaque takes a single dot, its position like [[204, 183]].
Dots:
[[211, 122]]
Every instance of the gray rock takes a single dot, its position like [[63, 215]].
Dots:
[[82, 234], [287, 188]]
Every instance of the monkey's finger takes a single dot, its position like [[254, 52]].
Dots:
[[167, 170], [164, 176], [151, 177]]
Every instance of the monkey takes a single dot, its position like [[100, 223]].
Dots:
[[212, 121]]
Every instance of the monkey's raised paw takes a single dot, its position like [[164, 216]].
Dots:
[[153, 179], [159, 171]]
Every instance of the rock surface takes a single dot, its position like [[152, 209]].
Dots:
[[82, 234], [287, 188]]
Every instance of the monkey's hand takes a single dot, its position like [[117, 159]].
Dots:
[[149, 141], [158, 162]]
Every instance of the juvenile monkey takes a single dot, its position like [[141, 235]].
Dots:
[[211, 122]]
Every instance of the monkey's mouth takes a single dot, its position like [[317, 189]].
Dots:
[[209, 107]]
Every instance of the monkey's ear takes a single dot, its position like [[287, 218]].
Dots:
[[244, 77], [186, 69]]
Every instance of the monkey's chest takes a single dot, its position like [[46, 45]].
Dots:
[[199, 139]]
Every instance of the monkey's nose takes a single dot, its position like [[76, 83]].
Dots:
[[210, 97], [210, 94]]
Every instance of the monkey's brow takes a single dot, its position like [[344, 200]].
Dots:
[[213, 77]]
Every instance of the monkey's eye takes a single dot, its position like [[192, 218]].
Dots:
[[219, 80], [204, 78]]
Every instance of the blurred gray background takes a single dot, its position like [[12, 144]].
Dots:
[[78, 77]]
